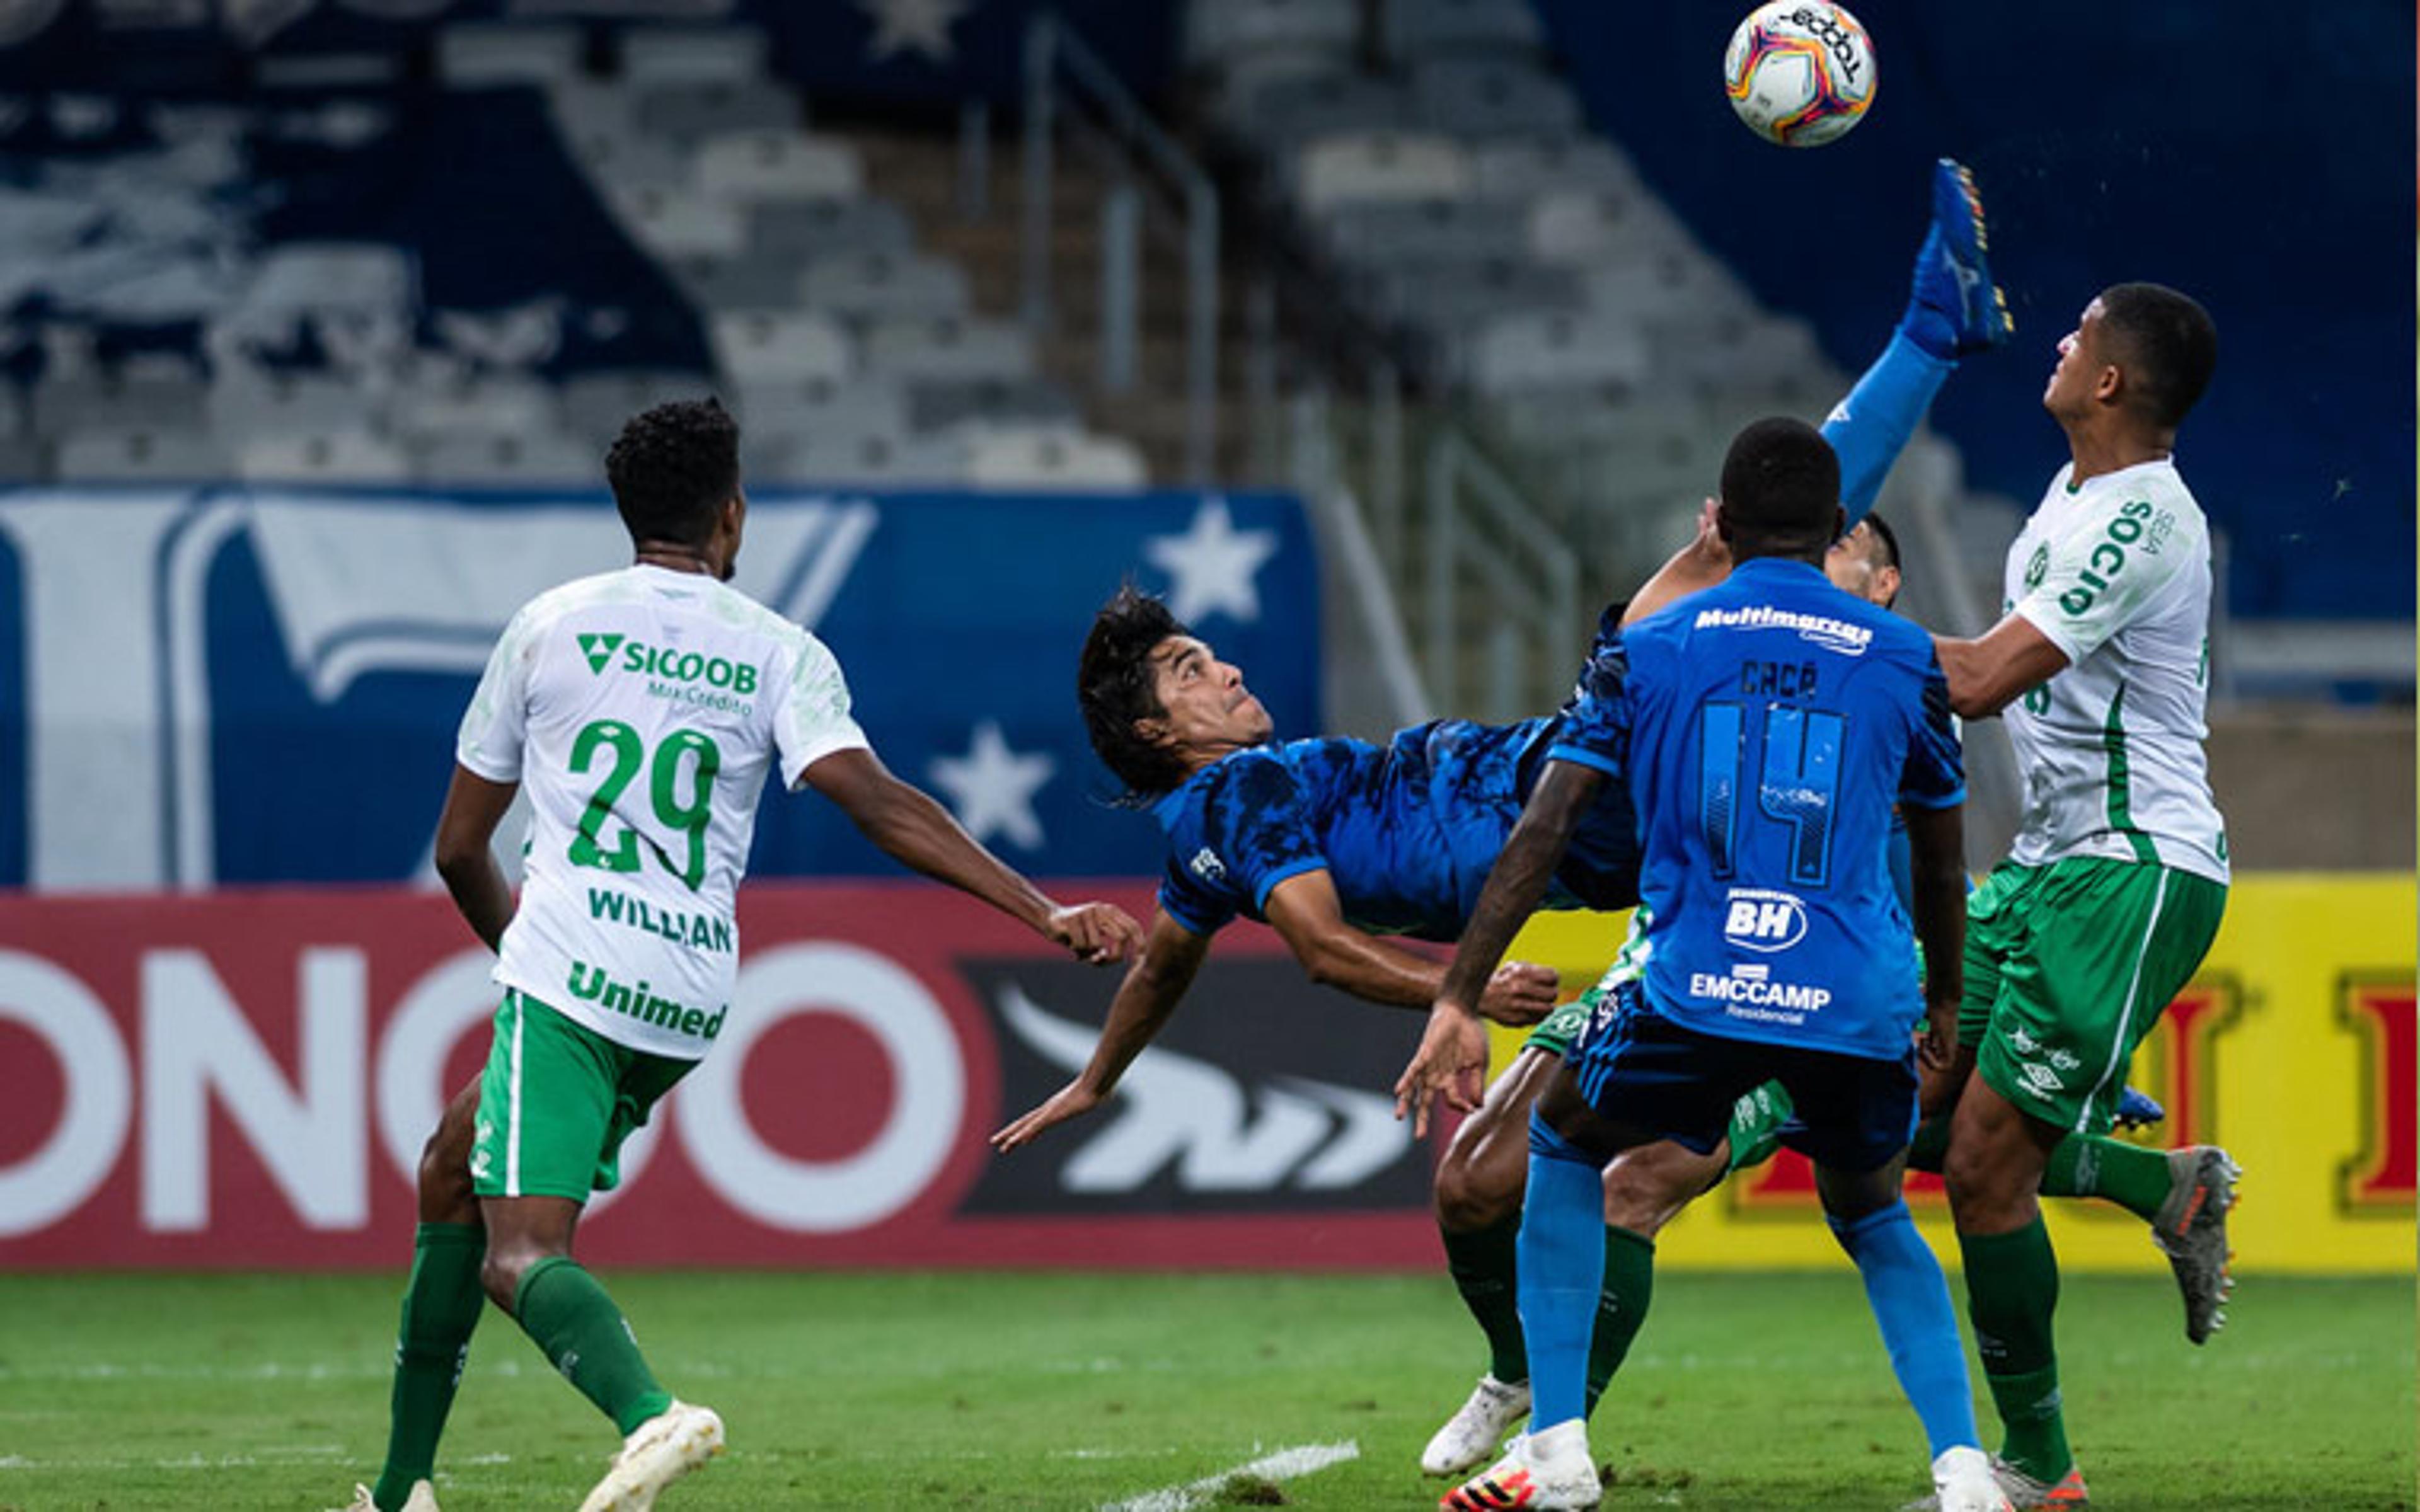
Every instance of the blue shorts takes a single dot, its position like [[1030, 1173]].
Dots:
[[1636, 1066]]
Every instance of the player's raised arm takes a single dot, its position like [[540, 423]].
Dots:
[[918, 834], [1154, 985], [1453, 1056], [1305, 911]]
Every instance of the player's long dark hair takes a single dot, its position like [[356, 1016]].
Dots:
[[1113, 687], [672, 469]]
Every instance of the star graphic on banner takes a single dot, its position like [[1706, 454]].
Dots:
[[991, 788], [1213, 564], [917, 25]]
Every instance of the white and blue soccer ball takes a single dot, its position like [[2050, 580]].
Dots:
[[1800, 72]]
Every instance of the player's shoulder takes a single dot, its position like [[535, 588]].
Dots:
[[601, 587]]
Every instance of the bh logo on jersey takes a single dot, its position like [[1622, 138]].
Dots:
[[1759, 918]]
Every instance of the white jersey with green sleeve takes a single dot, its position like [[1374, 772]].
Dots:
[[2115, 571], [639, 711]]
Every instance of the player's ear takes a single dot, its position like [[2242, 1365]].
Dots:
[[1723, 526]]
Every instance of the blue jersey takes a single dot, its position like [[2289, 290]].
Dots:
[[1766, 727], [1407, 834]]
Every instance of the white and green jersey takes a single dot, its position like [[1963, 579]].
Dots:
[[2115, 571], [639, 710]]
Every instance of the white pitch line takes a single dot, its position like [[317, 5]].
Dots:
[[1283, 1465]]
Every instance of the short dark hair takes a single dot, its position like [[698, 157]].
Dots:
[[2167, 345], [672, 469], [1781, 482], [1113, 687], [1888, 537]]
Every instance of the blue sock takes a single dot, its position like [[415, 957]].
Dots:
[[1561, 1272], [1910, 1304], [1872, 425]]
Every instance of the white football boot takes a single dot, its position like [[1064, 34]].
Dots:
[[1963, 1482], [657, 1452], [1472, 1436], [422, 1499], [1549, 1472]]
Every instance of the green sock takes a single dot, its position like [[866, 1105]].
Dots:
[[2095, 1165], [1931, 1146], [1481, 1264], [441, 1308], [1629, 1287], [563, 1309], [2012, 1292]]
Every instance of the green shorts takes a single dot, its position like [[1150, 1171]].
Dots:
[[1756, 1119], [555, 1103], [2067, 967], [1558, 1029]]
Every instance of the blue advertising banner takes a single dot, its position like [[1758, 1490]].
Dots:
[[232, 686]]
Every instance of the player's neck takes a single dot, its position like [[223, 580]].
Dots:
[[2097, 450], [675, 556]]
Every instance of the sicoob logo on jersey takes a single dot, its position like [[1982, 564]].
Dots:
[[672, 666]]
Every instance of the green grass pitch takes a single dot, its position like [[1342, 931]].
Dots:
[[1044, 1391]]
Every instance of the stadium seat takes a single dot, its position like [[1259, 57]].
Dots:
[[801, 228], [486, 406], [370, 276], [1523, 170], [1291, 107], [1524, 351], [1413, 29], [676, 222], [1218, 34], [692, 54], [539, 456], [107, 454], [876, 286], [752, 166], [913, 351], [1674, 289], [472, 55], [753, 280], [1494, 97], [941, 404], [1051, 456], [776, 417], [111, 401], [246, 404], [937, 461], [595, 403], [685, 113], [1454, 301], [321, 457], [22, 461], [1406, 233], [1358, 167], [1595, 227], [752, 347], [1749, 355]]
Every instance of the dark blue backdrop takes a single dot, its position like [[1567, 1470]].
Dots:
[[2257, 156]]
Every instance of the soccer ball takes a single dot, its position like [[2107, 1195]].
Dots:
[[1800, 72]]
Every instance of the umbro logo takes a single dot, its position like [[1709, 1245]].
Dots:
[[599, 649], [1206, 865]]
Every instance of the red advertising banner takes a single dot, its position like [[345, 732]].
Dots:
[[244, 1079]]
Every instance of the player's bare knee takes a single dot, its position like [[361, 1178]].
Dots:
[[1467, 1198]]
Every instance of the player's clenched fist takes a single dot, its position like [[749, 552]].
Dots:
[[1520, 994], [1096, 933]]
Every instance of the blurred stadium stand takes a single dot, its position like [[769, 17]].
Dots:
[[1489, 300]]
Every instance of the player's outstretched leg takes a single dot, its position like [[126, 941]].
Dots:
[[2191, 1229], [658, 1452], [1954, 309]]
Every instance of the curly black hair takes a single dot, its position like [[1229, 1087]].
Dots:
[[1113, 687], [672, 469]]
